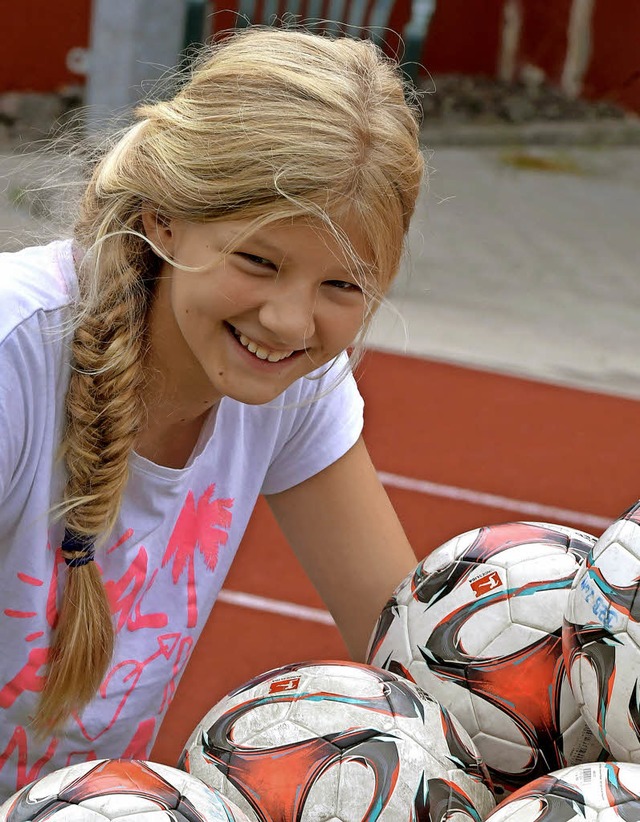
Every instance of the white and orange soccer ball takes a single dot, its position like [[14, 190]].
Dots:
[[591, 792], [478, 625], [602, 637], [122, 790], [338, 741]]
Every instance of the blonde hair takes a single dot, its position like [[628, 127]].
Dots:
[[270, 124]]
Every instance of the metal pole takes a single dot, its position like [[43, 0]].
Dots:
[[134, 43]]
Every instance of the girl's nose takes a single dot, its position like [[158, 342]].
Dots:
[[288, 314]]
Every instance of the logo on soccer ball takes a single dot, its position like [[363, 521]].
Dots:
[[283, 685], [602, 610], [486, 583]]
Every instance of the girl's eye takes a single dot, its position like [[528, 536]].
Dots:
[[343, 285], [255, 259]]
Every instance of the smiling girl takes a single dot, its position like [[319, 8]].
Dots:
[[181, 354]]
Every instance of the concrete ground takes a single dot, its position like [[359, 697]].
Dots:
[[521, 260], [525, 261]]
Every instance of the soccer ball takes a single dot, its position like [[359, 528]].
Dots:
[[591, 792], [602, 637], [478, 625], [339, 742], [126, 790]]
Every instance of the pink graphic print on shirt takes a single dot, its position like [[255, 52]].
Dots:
[[124, 677], [126, 594], [31, 676], [201, 526]]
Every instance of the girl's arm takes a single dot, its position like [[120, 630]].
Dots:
[[349, 540]]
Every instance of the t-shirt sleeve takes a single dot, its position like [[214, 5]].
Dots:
[[29, 377], [13, 413], [327, 422], [33, 298]]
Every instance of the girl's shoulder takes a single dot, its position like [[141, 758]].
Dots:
[[35, 279]]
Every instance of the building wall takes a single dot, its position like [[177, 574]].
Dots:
[[465, 36], [543, 38], [614, 68], [601, 48], [35, 37]]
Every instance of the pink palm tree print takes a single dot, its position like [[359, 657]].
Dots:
[[202, 526]]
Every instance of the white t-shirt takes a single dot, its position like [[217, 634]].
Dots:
[[176, 536]]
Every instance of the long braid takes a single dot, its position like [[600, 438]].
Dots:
[[104, 415]]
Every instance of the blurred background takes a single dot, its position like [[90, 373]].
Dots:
[[496, 60], [525, 239]]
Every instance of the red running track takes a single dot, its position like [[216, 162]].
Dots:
[[456, 428]]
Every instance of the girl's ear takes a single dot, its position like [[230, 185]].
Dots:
[[159, 230]]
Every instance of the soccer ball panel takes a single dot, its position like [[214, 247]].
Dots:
[[507, 755], [591, 792], [618, 563], [448, 552], [511, 640], [118, 790], [545, 580], [51, 784]]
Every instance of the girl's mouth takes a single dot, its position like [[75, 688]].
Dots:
[[258, 350]]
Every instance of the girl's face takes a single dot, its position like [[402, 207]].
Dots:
[[248, 324]]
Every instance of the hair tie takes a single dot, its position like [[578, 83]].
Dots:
[[77, 549]]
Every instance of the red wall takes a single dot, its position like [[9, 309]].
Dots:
[[543, 40], [35, 37], [614, 70], [464, 37]]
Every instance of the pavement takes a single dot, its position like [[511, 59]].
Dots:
[[522, 259], [525, 260]]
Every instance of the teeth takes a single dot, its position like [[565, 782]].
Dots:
[[262, 353]]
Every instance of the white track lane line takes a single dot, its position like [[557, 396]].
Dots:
[[533, 509], [547, 513], [275, 606]]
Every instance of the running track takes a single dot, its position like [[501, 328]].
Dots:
[[456, 448]]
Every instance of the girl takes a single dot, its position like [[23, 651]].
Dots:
[[181, 354]]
